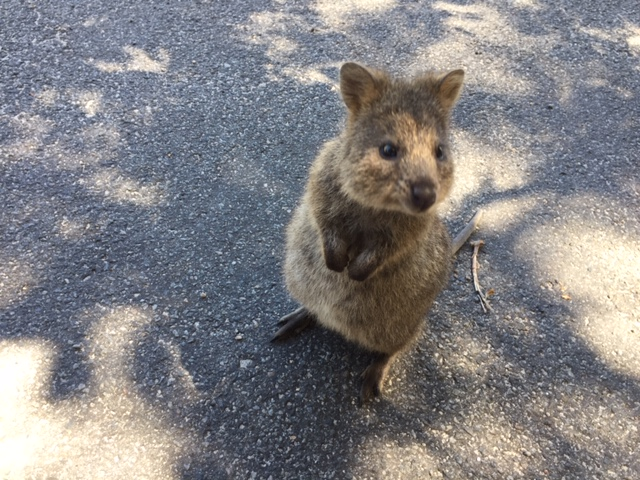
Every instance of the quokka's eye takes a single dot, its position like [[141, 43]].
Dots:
[[439, 153], [388, 151]]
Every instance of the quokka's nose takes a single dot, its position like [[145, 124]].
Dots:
[[423, 195]]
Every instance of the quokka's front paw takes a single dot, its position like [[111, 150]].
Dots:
[[359, 274], [336, 261], [362, 266], [336, 256]]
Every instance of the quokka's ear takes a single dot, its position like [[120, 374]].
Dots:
[[358, 86], [449, 88]]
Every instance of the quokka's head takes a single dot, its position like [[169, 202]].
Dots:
[[397, 148]]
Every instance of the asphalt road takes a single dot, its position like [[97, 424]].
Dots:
[[151, 154]]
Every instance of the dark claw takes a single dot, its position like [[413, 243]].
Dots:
[[293, 324]]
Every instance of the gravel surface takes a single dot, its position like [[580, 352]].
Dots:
[[151, 154]]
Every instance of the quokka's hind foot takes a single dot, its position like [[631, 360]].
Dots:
[[293, 323], [373, 377]]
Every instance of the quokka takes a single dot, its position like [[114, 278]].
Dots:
[[366, 253]]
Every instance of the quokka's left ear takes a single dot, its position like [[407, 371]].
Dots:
[[449, 88], [359, 86]]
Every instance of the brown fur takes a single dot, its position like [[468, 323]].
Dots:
[[366, 253]]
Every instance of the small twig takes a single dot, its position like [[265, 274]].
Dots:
[[474, 269], [465, 233]]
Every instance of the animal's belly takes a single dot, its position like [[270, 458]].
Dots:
[[379, 313]]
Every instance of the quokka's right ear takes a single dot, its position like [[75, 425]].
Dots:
[[359, 86], [449, 88]]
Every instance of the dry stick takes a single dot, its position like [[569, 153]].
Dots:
[[476, 284], [459, 241], [465, 233]]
